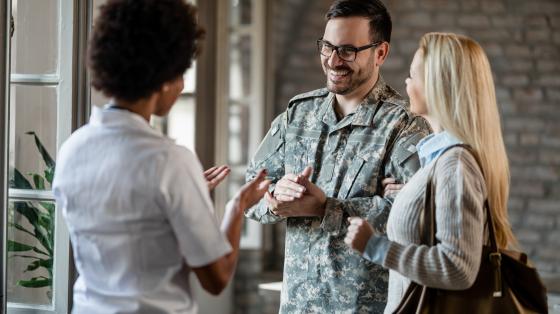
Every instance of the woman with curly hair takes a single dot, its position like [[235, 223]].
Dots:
[[451, 85], [136, 204]]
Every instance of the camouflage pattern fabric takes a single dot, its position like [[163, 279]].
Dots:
[[350, 157]]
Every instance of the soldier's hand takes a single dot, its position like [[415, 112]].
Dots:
[[272, 202], [310, 204], [391, 187], [359, 233], [313, 190], [289, 188]]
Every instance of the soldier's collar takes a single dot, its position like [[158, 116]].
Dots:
[[366, 110], [363, 116], [326, 111], [378, 92]]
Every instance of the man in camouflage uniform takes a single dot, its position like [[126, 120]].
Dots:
[[327, 154]]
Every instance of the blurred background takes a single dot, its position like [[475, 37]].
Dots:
[[257, 55]]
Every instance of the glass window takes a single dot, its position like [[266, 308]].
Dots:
[[180, 121], [245, 102], [241, 12], [30, 248], [36, 30], [40, 119], [33, 122], [240, 67]]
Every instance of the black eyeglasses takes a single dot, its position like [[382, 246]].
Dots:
[[347, 52]]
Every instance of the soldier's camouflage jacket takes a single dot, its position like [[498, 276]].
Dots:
[[350, 157]]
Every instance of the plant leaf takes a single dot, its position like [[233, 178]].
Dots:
[[23, 256], [32, 266], [19, 181], [36, 250], [42, 225], [49, 174], [47, 263], [45, 221], [13, 246], [39, 182], [20, 228], [36, 282], [44, 153], [28, 211], [49, 207], [43, 232]]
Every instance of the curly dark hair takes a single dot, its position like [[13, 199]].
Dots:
[[137, 45], [380, 25]]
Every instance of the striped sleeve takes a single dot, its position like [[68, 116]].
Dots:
[[454, 262]]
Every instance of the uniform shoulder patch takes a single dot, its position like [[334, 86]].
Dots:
[[393, 97], [322, 92]]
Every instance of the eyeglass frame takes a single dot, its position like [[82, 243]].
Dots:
[[321, 42]]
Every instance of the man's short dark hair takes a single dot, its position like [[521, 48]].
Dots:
[[137, 45], [380, 24]]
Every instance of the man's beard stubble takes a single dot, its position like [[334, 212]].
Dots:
[[355, 81]]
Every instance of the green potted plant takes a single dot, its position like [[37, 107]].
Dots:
[[40, 217]]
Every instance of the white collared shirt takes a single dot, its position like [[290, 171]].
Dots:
[[431, 146], [138, 211]]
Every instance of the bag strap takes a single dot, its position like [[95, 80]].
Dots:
[[428, 221]]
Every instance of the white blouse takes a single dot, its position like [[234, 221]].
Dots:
[[138, 211]]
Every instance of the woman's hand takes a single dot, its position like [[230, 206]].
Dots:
[[252, 192], [391, 187], [247, 196], [359, 233], [215, 175], [232, 222]]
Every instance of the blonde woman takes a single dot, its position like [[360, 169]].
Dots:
[[451, 85]]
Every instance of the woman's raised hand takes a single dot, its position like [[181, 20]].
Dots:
[[215, 175], [252, 192]]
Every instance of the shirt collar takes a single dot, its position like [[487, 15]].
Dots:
[[119, 118], [363, 116], [430, 147], [326, 111]]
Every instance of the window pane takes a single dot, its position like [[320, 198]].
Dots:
[[35, 41], [180, 121], [32, 136], [241, 95], [30, 252], [97, 98], [190, 79], [238, 141], [240, 67], [238, 135], [241, 12]]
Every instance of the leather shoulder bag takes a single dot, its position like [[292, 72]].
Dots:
[[505, 283]]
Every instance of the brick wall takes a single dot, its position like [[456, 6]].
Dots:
[[522, 40]]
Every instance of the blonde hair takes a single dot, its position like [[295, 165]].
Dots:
[[460, 94]]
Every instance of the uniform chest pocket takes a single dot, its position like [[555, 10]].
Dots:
[[362, 177], [301, 150]]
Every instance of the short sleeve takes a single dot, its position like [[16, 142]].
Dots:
[[186, 201]]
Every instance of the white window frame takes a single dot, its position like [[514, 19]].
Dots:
[[253, 238], [63, 80]]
